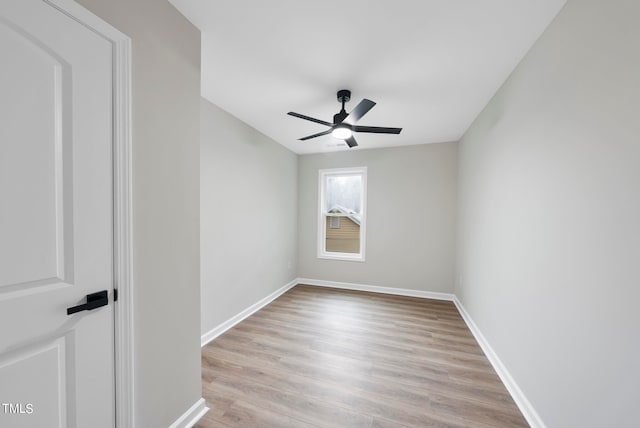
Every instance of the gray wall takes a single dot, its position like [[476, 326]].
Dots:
[[248, 216], [166, 103], [549, 263], [411, 202]]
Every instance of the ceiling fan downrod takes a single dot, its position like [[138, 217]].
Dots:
[[344, 95]]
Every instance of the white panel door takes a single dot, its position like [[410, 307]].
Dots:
[[56, 220]]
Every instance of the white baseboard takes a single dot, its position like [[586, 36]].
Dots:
[[191, 416], [377, 289], [217, 331], [525, 406]]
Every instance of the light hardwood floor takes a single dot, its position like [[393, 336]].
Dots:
[[321, 357]]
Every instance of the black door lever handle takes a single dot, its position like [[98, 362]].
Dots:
[[94, 300]]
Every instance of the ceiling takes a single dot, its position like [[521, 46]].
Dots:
[[430, 65]]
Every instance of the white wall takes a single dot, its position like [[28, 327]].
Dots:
[[166, 103], [248, 216], [411, 216], [549, 258]]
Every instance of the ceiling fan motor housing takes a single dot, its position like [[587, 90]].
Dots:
[[339, 117]]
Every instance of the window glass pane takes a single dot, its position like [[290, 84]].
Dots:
[[343, 191], [342, 239]]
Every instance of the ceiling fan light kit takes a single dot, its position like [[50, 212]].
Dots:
[[341, 132], [344, 124]]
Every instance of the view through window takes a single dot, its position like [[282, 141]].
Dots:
[[342, 213]]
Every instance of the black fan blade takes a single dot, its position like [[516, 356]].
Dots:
[[319, 134], [377, 129], [359, 111], [312, 119], [351, 142]]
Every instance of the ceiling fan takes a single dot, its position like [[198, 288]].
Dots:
[[344, 124]]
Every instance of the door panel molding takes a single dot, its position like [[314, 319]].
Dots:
[[51, 392], [38, 257], [122, 203]]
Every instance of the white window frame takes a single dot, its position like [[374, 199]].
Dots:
[[322, 217]]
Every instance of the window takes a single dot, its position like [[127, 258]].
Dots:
[[341, 217]]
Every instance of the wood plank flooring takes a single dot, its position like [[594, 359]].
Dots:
[[322, 357]]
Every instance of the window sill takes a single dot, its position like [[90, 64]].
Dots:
[[349, 257]]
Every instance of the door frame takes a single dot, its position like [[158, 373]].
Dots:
[[122, 205]]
